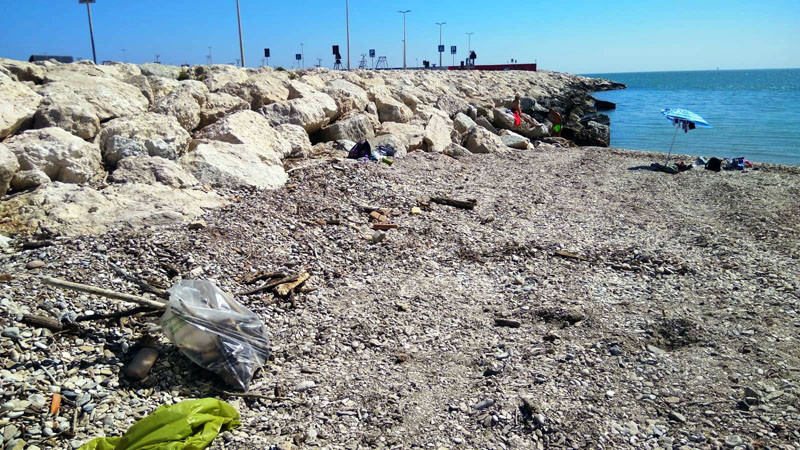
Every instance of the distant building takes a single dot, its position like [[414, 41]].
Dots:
[[61, 59]]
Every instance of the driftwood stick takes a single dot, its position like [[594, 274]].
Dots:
[[143, 285], [463, 204], [104, 293], [116, 315], [284, 289], [270, 285], [51, 323], [261, 275]]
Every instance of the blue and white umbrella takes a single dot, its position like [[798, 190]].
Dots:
[[685, 119]]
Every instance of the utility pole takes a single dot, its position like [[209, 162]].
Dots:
[[347, 13], [91, 27], [303, 55], [319, 62], [209, 61], [469, 42], [157, 59], [404, 35], [241, 43], [440, 40], [124, 58]]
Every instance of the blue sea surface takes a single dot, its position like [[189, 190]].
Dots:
[[754, 113]]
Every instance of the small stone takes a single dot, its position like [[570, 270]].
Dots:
[[305, 385], [83, 399], [415, 211], [378, 237], [610, 394], [655, 350], [37, 401], [672, 400], [15, 414], [102, 248], [35, 264], [676, 416], [484, 404], [733, 440], [615, 351], [7, 406], [88, 407], [11, 332], [197, 225]]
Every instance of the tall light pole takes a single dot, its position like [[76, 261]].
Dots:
[[241, 43], [404, 35], [469, 41], [91, 28], [302, 55], [124, 58], [347, 14], [440, 40]]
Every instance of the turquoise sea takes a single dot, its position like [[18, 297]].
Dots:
[[754, 113]]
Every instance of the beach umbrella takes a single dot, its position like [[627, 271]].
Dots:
[[682, 118]]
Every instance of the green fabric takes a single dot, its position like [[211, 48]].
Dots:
[[556, 128], [188, 425]]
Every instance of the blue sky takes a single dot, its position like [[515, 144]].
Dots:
[[571, 36]]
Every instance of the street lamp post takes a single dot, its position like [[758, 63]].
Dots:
[[440, 40], [241, 42], [91, 28], [347, 13], [469, 41], [404, 35], [303, 55]]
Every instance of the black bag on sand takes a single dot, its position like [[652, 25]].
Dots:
[[714, 164], [360, 150]]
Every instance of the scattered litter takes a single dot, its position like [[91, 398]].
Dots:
[[191, 424], [139, 367], [215, 331]]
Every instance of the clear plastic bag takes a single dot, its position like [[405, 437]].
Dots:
[[215, 332]]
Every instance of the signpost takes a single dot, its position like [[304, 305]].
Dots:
[[372, 56], [453, 52], [266, 55], [91, 29]]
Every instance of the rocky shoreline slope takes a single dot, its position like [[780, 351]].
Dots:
[[88, 148]]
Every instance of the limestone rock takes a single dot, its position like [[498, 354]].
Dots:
[[514, 140], [356, 127], [152, 170], [391, 110], [8, 167], [463, 123], [480, 140], [412, 136], [219, 75], [456, 151], [143, 84], [183, 104], [162, 86], [484, 122], [219, 105], [233, 165], [348, 96], [22, 70], [452, 105], [593, 134], [160, 70], [258, 90], [60, 155], [29, 179], [250, 128], [146, 134], [109, 97], [437, 135], [296, 139], [72, 210], [18, 104], [312, 113]]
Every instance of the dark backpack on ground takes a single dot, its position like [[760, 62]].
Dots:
[[360, 150], [714, 164]]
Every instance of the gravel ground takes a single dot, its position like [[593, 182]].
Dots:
[[677, 326]]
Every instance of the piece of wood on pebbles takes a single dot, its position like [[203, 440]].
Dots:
[[462, 204], [510, 323], [285, 288], [570, 255]]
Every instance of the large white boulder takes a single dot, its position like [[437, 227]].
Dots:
[[463, 123], [152, 170], [412, 136], [250, 128], [228, 165], [184, 103], [219, 105], [348, 96], [355, 128], [218, 75], [311, 113], [398, 144], [391, 110], [143, 84], [514, 140], [150, 134], [58, 154], [160, 70], [297, 141], [22, 70], [258, 89], [452, 105], [437, 134], [8, 168], [480, 140], [162, 86], [73, 210], [504, 119], [18, 104]]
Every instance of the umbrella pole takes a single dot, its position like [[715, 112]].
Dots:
[[673, 143]]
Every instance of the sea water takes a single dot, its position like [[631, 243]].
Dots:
[[754, 113]]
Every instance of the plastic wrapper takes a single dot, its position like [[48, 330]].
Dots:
[[188, 425], [215, 332]]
